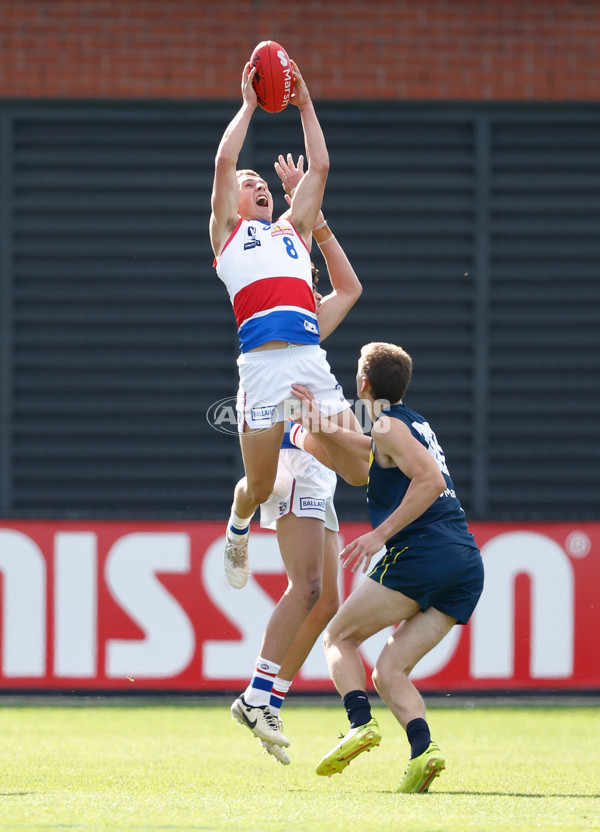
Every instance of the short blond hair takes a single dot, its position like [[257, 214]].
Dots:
[[247, 172]]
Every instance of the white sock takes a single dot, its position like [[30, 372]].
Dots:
[[258, 692], [278, 694], [238, 528]]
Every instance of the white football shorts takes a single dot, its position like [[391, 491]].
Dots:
[[266, 377], [304, 487]]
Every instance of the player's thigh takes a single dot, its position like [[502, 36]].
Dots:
[[300, 542], [413, 639], [260, 452], [368, 609], [347, 419]]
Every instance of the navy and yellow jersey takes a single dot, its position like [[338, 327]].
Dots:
[[444, 521]]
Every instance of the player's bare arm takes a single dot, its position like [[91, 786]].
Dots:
[[307, 198], [396, 446], [225, 192], [330, 433], [346, 286]]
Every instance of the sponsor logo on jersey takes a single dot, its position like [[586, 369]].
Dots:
[[309, 503], [252, 240], [279, 229], [449, 492], [260, 412], [310, 326], [282, 508]]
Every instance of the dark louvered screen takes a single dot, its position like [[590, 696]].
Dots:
[[474, 231], [544, 437], [121, 339], [400, 197]]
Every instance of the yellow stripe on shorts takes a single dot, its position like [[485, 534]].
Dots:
[[384, 566]]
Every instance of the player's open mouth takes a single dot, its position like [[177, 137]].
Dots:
[[262, 201]]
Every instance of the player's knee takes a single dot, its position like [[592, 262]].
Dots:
[[382, 678], [328, 606], [313, 591], [328, 639], [260, 491], [386, 671], [306, 592], [378, 682], [335, 636]]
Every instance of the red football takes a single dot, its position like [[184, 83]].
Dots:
[[274, 78]]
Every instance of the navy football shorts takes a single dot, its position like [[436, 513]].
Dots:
[[449, 578]]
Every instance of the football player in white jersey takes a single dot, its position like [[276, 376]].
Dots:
[[301, 510], [266, 269]]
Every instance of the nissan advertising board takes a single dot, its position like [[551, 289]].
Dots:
[[146, 606]]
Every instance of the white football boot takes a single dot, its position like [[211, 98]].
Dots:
[[259, 720]]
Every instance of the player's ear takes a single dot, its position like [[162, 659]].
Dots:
[[365, 387]]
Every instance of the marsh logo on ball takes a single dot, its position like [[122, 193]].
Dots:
[[273, 77]]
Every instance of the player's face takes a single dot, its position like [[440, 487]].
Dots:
[[255, 200], [318, 299]]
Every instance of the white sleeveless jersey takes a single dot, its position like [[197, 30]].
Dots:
[[266, 269]]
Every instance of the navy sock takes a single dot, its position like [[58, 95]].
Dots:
[[357, 707], [418, 735]]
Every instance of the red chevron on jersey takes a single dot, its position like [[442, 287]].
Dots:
[[271, 293], [266, 268]]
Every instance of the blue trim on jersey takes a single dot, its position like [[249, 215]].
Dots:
[[284, 325]]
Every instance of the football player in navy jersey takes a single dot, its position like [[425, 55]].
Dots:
[[429, 578]]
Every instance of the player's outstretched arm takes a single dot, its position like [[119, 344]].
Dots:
[[225, 192], [397, 445], [306, 201], [346, 286]]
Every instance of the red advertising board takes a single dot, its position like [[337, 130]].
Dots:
[[146, 606]]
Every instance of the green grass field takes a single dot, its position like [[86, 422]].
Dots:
[[190, 767]]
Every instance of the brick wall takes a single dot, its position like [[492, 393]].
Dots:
[[533, 50]]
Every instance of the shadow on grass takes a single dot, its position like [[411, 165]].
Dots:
[[517, 794], [448, 792], [17, 794]]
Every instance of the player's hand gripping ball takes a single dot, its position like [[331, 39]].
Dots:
[[273, 81]]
